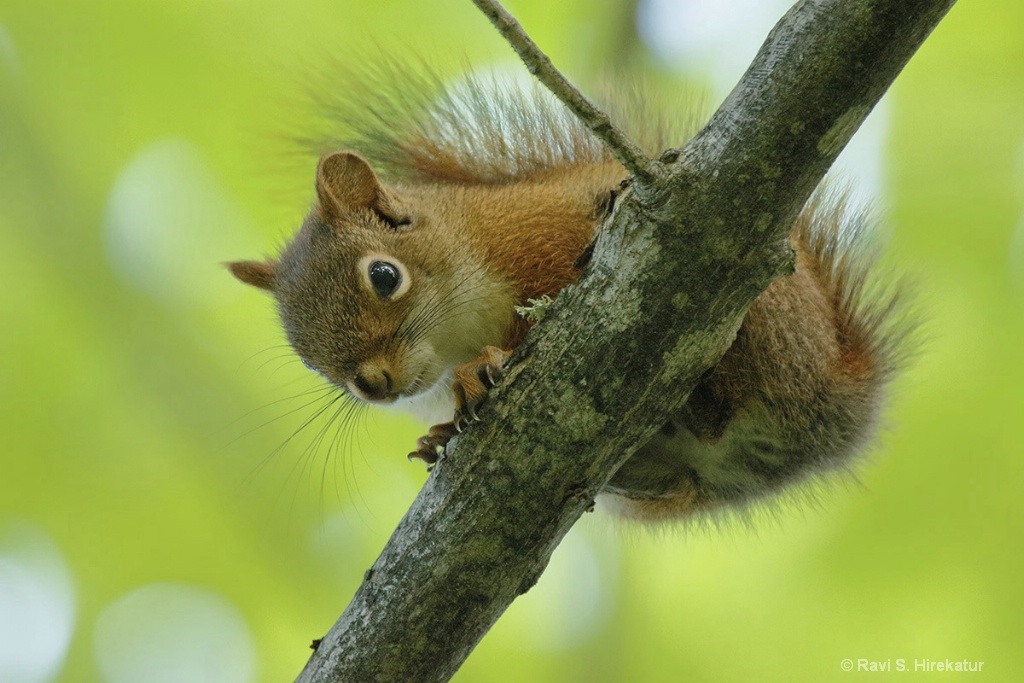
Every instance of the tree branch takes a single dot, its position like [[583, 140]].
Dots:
[[625, 150], [615, 356]]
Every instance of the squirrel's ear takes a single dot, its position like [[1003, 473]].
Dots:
[[344, 181], [256, 273]]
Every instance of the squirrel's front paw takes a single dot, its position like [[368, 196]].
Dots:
[[429, 447], [473, 380]]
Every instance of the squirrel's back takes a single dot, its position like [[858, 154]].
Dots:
[[483, 129]]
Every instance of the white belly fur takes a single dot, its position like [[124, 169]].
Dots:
[[434, 406]]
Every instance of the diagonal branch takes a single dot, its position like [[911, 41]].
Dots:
[[615, 357]]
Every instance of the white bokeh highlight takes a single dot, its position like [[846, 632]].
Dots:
[[719, 40], [169, 224], [174, 633], [37, 605]]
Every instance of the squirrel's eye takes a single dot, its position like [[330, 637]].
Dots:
[[385, 278], [308, 365]]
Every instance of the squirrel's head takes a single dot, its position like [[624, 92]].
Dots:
[[374, 292]]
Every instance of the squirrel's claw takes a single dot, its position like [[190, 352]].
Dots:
[[472, 382], [429, 448]]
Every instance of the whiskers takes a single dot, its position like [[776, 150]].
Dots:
[[335, 440], [282, 355], [328, 423], [443, 305]]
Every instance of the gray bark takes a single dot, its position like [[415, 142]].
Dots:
[[620, 350]]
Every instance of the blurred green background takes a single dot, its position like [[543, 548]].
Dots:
[[159, 523]]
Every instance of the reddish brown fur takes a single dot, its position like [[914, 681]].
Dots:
[[798, 392], [500, 187]]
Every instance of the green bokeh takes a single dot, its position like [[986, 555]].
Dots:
[[140, 430]]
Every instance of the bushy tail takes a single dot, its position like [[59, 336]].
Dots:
[[801, 389]]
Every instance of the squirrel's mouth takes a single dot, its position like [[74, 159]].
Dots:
[[381, 400], [369, 394]]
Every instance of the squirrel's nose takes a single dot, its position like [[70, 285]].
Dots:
[[372, 382]]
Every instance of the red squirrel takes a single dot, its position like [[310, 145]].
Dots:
[[454, 205]]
